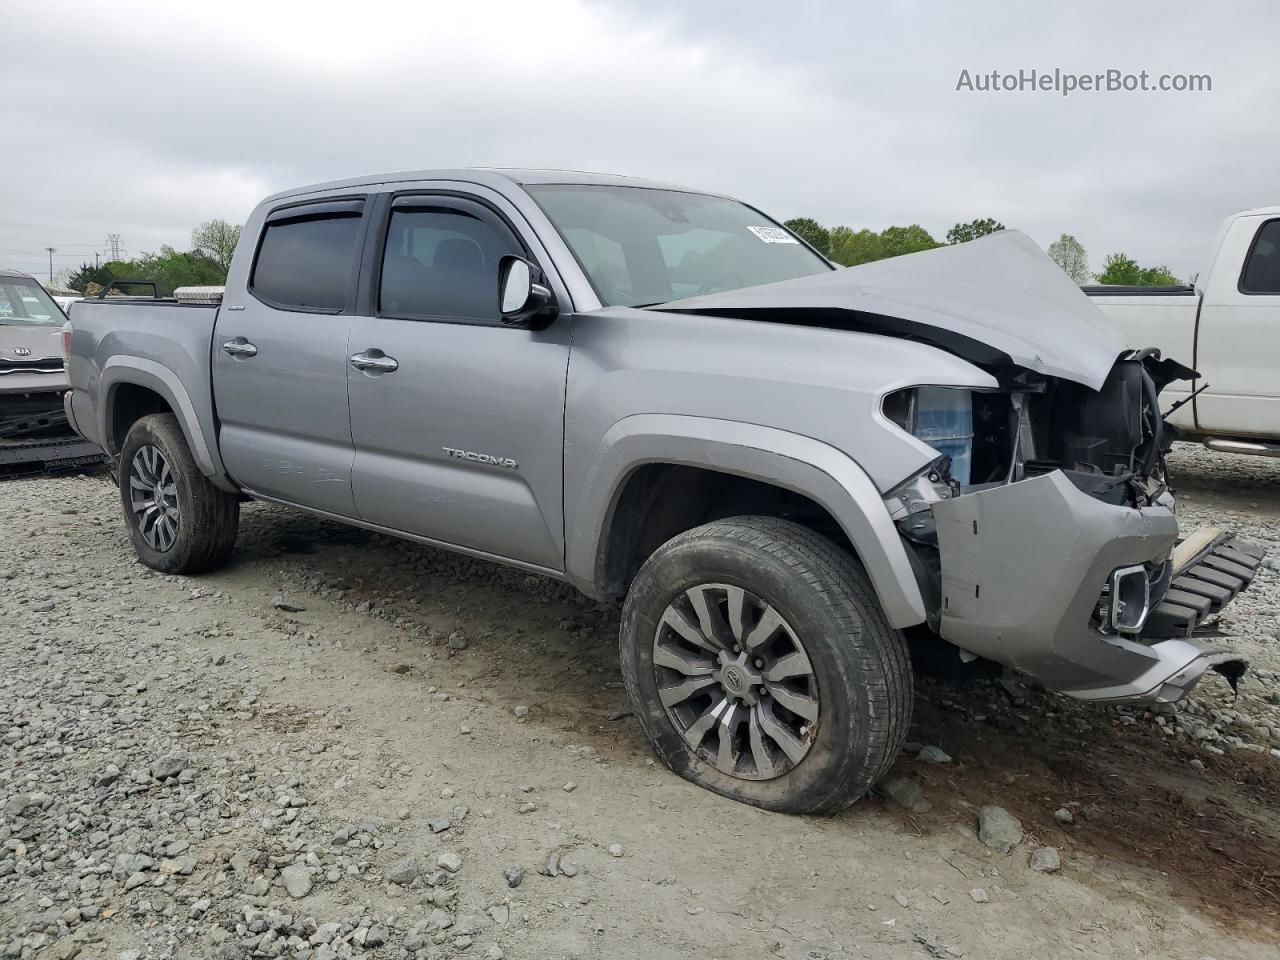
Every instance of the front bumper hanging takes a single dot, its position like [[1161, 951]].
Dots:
[[1024, 567]]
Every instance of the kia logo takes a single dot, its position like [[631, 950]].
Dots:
[[22, 351]]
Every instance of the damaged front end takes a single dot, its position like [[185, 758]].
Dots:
[[1044, 536]]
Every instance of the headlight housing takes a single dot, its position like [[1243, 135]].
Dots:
[[942, 417]]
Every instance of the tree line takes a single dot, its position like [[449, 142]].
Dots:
[[849, 247], [205, 264], [214, 242]]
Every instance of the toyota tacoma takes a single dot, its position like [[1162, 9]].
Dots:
[[787, 471]]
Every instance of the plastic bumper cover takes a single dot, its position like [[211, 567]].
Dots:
[[1023, 566]]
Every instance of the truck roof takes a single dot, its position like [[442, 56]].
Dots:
[[15, 273], [1258, 212], [488, 176]]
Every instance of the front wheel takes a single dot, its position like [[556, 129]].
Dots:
[[760, 665], [178, 521]]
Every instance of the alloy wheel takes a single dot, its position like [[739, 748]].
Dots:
[[153, 497], [736, 681]]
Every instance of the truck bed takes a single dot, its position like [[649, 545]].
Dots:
[[162, 337]]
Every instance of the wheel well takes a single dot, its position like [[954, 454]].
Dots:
[[129, 404], [662, 500]]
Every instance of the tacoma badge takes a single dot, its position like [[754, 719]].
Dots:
[[480, 458]]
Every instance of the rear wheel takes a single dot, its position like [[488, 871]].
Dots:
[[178, 521], [761, 666]]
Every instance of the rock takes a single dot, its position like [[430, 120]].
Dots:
[[998, 828], [440, 920], [377, 936], [1195, 763], [901, 900], [979, 895], [438, 826], [170, 765], [282, 601], [932, 754], [906, 793], [494, 952], [569, 787], [1045, 860], [449, 861], [404, 872], [515, 874], [500, 913], [615, 849], [457, 641], [521, 711], [528, 806], [296, 879], [569, 868], [1064, 816]]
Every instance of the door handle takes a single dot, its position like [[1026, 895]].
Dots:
[[240, 347], [362, 361]]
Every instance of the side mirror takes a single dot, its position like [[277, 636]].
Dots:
[[523, 296]]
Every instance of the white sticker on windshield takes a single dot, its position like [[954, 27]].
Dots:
[[773, 235]]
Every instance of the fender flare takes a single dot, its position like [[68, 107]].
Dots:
[[794, 462], [138, 371]]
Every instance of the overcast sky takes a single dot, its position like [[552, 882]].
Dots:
[[146, 119]]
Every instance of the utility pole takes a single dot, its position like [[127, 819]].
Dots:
[[51, 252]]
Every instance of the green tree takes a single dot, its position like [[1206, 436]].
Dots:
[[850, 247], [811, 232], [896, 241], [1123, 270], [1068, 253], [964, 232], [217, 239], [80, 278]]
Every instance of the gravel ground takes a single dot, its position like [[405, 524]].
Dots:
[[346, 746]]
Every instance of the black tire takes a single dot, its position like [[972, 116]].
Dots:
[[207, 518], [860, 663]]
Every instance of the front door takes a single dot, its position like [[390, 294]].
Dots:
[[1238, 337], [280, 358], [457, 419]]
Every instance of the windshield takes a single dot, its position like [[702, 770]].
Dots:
[[24, 303], [641, 246]]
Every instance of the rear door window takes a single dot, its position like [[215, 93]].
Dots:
[[307, 262]]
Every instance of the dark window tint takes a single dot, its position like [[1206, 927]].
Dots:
[[1262, 270], [443, 262], [307, 263]]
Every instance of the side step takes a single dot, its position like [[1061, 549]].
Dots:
[[1242, 446], [1206, 577]]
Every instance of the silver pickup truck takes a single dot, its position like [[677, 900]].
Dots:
[[789, 471]]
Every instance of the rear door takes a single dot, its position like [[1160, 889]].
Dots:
[[459, 427], [1238, 338], [280, 357]]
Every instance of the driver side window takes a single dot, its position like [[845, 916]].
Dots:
[[443, 262]]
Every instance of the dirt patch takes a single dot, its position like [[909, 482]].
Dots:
[[1216, 833]]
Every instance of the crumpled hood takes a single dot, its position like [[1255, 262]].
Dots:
[[996, 301]]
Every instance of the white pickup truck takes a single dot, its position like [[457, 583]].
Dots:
[[1228, 326]]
